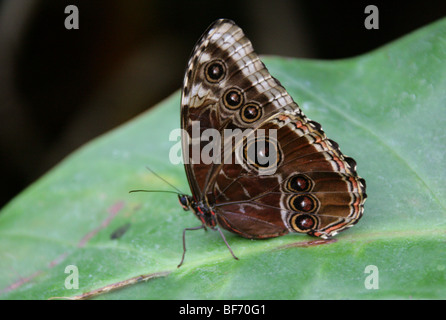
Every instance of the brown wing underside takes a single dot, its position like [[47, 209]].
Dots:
[[314, 189]]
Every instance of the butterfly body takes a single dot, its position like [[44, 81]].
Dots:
[[201, 210], [273, 170]]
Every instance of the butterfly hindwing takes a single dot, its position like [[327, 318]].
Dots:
[[314, 190]]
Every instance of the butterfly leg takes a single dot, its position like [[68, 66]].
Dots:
[[227, 244], [184, 240]]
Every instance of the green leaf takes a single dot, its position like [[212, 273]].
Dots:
[[386, 109]]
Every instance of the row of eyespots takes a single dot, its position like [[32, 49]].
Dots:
[[233, 99], [303, 204]]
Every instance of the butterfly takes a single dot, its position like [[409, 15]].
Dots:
[[306, 186]]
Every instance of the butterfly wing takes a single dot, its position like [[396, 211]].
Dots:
[[310, 188], [314, 190]]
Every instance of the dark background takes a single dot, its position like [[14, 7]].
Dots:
[[60, 88]]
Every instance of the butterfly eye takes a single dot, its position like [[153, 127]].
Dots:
[[233, 99], [184, 201], [251, 112], [303, 203], [215, 71], [303, 222], [299, 183]]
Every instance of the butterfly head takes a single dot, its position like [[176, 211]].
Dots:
[[185, 201]]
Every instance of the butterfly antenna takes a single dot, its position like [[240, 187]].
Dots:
[[161, 178], [166, 191], [178, 191]]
